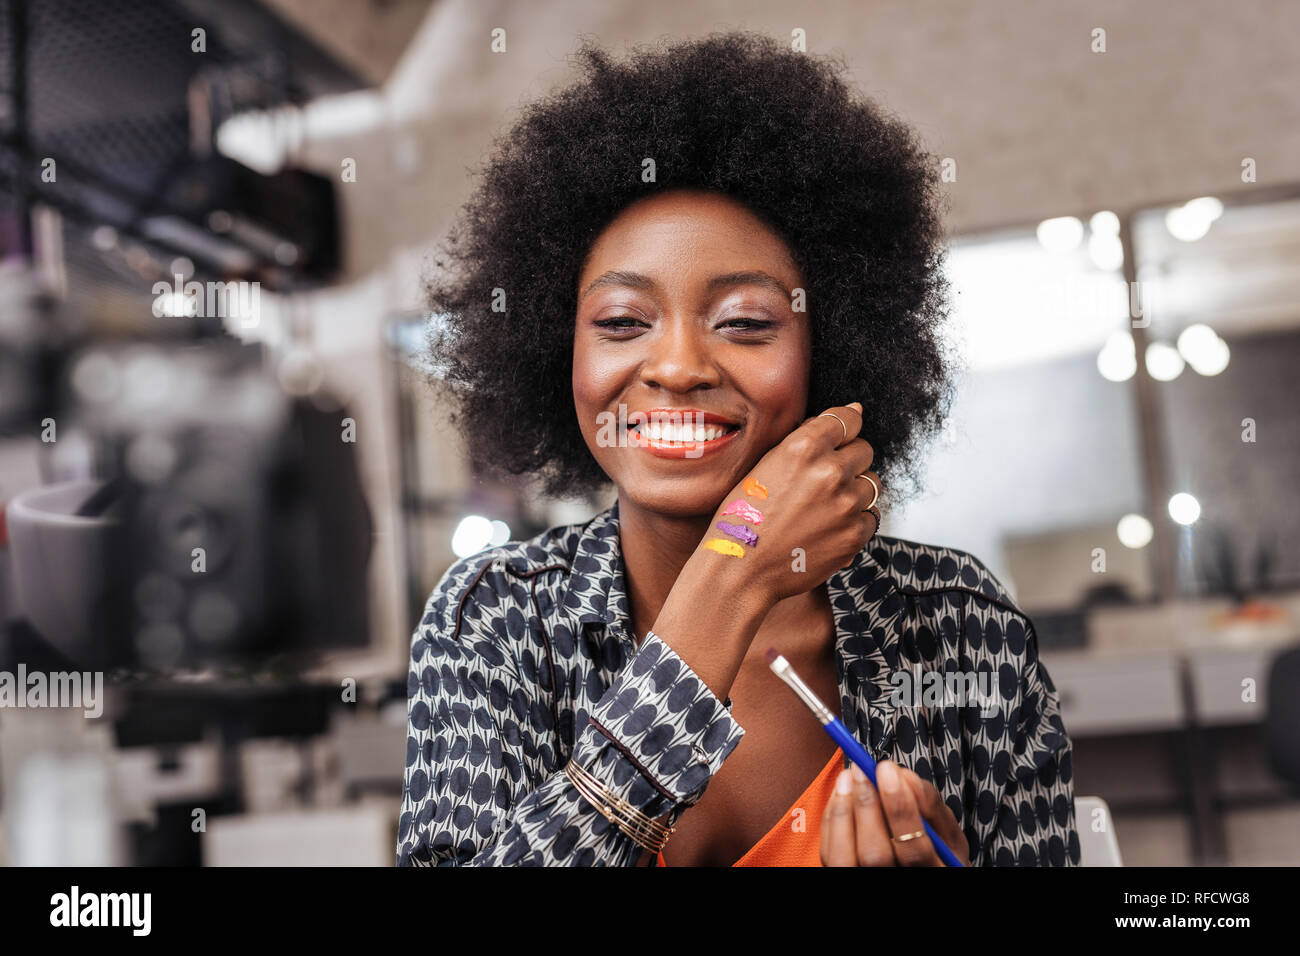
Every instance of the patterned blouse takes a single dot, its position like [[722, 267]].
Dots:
[[525, 659]]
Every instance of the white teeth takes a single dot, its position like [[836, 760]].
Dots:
[[666, 431]]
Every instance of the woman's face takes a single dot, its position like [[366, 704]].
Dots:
[[685, 318]]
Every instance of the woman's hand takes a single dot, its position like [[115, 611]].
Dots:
[[811, 521], [786, 538], [858, 826]]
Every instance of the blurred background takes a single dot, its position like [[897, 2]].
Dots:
[[228, 486]]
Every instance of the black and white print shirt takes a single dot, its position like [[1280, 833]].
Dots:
[[525, 659]]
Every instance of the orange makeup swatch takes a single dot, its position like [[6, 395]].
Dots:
[[754, 489]]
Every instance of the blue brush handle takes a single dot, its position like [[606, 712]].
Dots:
[[858, 754]]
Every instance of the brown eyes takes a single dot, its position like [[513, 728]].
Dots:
[[619, 322], [749, 324], [627, 323]]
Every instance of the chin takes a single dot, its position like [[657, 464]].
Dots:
[[694, 497]]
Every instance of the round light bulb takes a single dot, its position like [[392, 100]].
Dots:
[[1184, 508], [1134, 531]]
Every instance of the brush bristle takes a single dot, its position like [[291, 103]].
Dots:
[[771, 655]]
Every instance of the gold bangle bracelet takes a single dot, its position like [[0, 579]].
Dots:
[[642, 830]]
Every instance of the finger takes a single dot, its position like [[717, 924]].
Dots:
[[867, 524], [870, 828], [855, 456], [870, 525], [837, 825], [866, 491], [829, 424], [938, 814], [903, 817]]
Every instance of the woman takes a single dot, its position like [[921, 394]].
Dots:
[[711, 275]]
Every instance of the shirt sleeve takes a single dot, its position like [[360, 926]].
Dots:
[[475, 792], [1035, 822]]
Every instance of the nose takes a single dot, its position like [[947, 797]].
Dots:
[[679, 359]]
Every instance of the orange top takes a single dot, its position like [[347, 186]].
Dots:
[[783, 845]]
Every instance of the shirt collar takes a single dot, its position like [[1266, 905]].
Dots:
[[866, 602]]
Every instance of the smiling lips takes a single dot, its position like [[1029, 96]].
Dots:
[[679, 432]]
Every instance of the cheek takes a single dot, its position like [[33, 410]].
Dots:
[[781, 387], [596, 382]]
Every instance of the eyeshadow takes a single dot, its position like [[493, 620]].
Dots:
[[723, 546], [745, 510], [738, 531]]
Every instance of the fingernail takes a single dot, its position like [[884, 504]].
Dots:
[[887, 777], [858, 775], [857, 405], [844, 783]]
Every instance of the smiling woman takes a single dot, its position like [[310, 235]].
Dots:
[[850, 193], [686, 291], [734, 343]]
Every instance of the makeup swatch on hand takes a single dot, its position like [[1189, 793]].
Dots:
[[738, 531], [745, 511], [754, 489], [723, 546]]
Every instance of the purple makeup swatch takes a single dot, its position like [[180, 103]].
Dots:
[[738, 531]]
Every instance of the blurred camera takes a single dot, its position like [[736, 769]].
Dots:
[[231, 526]]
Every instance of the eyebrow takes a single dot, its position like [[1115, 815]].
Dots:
[[636, 280]]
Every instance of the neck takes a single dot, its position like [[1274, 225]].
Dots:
[[655, 548]]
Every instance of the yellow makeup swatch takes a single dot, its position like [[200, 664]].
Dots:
[[722, 546]]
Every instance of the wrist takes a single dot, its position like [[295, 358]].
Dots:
[[728, 586]]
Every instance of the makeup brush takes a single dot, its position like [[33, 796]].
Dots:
[[840, 734]]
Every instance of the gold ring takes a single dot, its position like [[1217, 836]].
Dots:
[[874, 487], [909, 836], [838, 419]]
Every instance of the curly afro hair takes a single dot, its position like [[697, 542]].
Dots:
[[846, 186]]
